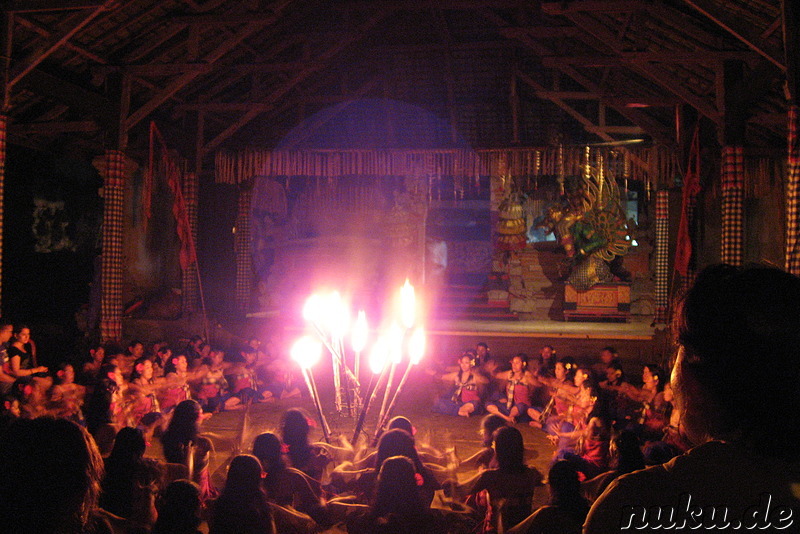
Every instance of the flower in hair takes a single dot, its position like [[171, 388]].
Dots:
[[419, 479]]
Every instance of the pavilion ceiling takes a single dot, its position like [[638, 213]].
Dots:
[[233, 73]]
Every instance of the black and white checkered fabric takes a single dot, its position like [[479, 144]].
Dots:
[[662, 256], [793, 194], [113, 172], [732, 205]]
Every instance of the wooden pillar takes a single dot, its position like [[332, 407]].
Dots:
[[244, 258], [791, 34], [112, 168], [662, 257], [732, 180]]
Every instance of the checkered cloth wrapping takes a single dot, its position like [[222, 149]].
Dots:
[[112, 260], [189, 283], [732, 205], [244, 260], [662, 256], [3, 128], [793, 194]]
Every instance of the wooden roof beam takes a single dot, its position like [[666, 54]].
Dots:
[[299, 77], [57, 41], [38, 6], [737, 30], [176, 85], [56, 127], [606, 39], [655, 129], [322, 119], [624, 58], [594, 6], [44, 32]]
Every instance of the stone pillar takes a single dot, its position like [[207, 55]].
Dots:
[[242, 248], [662, 256], [112, 169], [189, 283], [732, 205]]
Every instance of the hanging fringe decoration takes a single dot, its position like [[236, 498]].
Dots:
[[657, 165]]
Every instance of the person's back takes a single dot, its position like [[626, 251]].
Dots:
[[736, 383], [49, 479]]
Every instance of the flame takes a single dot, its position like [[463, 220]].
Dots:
[[408, 305], [416, 346], [360, 332], [312, 308], [395, 343], [336, 316], [379, 355], [306, 351]]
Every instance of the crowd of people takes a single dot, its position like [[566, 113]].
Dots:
[[73, 441]]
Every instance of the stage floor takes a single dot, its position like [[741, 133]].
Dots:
[[638, 328]]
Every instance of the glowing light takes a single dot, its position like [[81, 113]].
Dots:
[[395, 343], [306, 351], [416, 346], [408, 304], [336, 315], [312, 308], [379, 355], [360, 332]]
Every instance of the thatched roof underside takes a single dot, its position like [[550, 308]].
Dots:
[[390, 73]]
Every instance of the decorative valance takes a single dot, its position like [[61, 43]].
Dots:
[[656, 166]]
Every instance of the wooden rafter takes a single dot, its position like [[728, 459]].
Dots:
[[323, 119], [653, 128], [601, 37], [299, 77], [705, 57], [542, 92], [57, 41], [736, 29], [36, 6], [182, 80], [53, 127]]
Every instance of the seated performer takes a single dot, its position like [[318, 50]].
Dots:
[[653, 416], [562, 393], [465, 395], [516, 398]]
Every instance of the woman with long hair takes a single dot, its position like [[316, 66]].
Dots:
[[310, 459], [242, 506], [565, 511], [511, 485], [467, 385], [287, 486], [397, 507], [50, 471], [179, 509]]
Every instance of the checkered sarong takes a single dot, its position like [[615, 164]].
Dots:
[[732, 205], [113, 171], [793, 194], [244, 259], [662, 256], [189, 283], [3, 129]]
